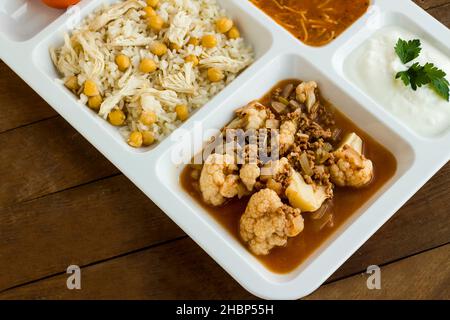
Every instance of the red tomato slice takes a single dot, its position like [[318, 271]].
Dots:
[[60, 4]]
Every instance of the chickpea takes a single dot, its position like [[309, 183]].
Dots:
[[72, 83], [158, 48], [194, 41], [116, 117], [123, 62], [148, 138], [149, 12], [147, 66], [156, 22], [174, 46], [215, 75], [152, 3], [95, 102], [224, 25], [148, 118], [90, 88], [234, 33], [209, 41], [192, 59], [135, 139], [182, 112]]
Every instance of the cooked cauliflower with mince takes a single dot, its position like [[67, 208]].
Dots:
[[219, 179], [268, 223], [308, 164], [351, 169]]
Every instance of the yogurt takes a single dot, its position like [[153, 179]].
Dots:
[[373, 67]]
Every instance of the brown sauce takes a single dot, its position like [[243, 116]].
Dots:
[[345, 203], [314, 22]]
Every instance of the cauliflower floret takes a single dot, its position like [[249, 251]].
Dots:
[[249, 174], [252, 116], [288, 130], [230, 188], [276, 174], [273, 169], [268, 223], [351, 169], [306, 93], [218, 179]]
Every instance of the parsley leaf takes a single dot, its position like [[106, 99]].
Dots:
[[440, 86], [434, 72], [438, 82], [408, 50], [417, 76]]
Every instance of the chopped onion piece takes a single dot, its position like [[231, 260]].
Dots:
[[304, 162], [321, 212], [327, 147], [279, 107], [283, 100], [287, 90], [295, 104]]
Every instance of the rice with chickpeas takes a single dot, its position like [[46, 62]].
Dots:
[[145, 66]]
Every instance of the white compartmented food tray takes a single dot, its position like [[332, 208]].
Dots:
[[24, 47]]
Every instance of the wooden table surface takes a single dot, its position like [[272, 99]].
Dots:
[[63, 203]]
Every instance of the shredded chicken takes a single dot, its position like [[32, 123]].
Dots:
[[150, 104], [306, 94], [66, 58], [166, 97], [129, 89], [219, 179], [267, 222], [94, 62], [128, 42], [350, 168], [114, 12], [180, 82], [223, 63], [179, 28]]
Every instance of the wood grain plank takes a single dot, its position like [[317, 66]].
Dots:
[[423, 276], [442, 14], [422, 223], [111, 217], [177, 270], [19, 104], [79, 226], [46, 157], [147, 275], [428, 4]]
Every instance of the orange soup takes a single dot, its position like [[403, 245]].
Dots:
[[314, 22]]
